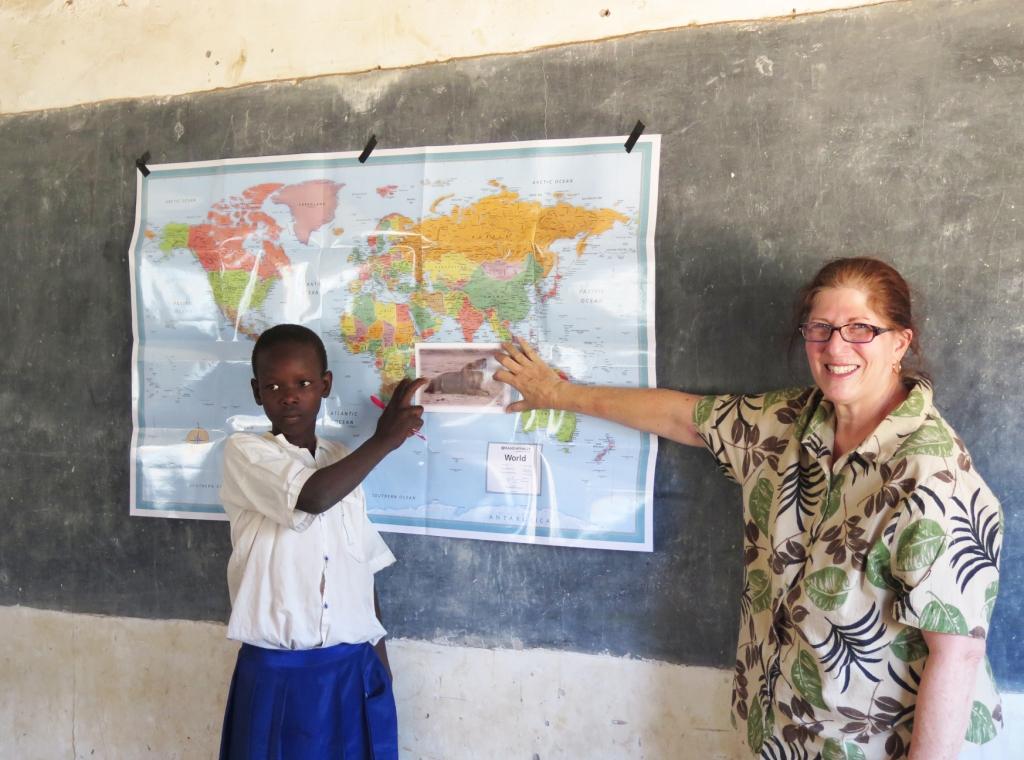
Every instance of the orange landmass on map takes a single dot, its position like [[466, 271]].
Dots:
[[505, 227], [219, 243], [439, 201], [472, 264], [469, 320]]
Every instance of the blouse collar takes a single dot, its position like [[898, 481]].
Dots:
[[892, 433]]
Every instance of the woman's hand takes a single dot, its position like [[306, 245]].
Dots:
[[400, 419], [525, 371], [653, 410]]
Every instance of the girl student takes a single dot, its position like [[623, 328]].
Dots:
[[312, 679]]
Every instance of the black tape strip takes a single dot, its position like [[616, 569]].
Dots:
[[140, 163], [634, 136], [370, 145]]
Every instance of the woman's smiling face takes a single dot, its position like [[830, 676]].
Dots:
[[854, 374]]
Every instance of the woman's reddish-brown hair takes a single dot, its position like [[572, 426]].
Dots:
[[888, 293]]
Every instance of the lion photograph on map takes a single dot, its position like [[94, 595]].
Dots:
[[461, 378]]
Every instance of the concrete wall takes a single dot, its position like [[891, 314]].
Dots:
[[90, 687], [84, 686], [58, 53]]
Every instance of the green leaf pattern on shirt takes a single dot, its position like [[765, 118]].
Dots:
[[760, 590], [828, 588], [755, 726], [879, 561], [702, 412], [835, 751], [919, 545], [929, 440], [761, 504], [982, 728], [832, 501], [912, 407], [807, 679], [909, 645], [943, 618], [990, 599]]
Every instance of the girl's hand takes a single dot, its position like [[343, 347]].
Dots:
[[525, 371], [400, 420]]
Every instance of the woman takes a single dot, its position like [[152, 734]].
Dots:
[[871, 543]]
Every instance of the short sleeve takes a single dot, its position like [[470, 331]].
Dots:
[[733, 426], [378, 555], [365, 541], [945, 556], [260, 476], [717, 420]]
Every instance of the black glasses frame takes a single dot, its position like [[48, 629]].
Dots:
[[875, 331]]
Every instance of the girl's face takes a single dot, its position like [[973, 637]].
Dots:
[[290, 384], [854, 374]]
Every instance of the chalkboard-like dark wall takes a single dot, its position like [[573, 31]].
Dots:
[[893, 130]]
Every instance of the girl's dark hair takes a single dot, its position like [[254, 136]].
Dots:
[[279, 334], [888, 293]]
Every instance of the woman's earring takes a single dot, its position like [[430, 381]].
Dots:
[[897, 367]]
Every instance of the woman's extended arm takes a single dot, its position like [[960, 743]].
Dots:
[[654, 410], [944, 696]]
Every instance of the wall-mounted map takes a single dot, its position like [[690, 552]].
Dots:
[[551, 241]]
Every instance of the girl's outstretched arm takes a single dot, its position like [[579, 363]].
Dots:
[[666, 413], [399, 420]]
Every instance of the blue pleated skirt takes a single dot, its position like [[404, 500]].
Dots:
[[333, 703]]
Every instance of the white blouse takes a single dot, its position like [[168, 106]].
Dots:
[[282, 557]]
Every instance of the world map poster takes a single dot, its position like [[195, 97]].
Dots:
[[551, 241]]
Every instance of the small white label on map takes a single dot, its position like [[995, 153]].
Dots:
[[513, 468]]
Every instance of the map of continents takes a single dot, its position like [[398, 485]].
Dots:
[[239, 242], [483, 263]]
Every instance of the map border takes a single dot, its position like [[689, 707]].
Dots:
[[647, 148]]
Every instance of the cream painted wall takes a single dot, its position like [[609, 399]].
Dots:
[[84, 686], [59, 53]]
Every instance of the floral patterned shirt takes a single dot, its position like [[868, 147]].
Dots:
[[846, 561]]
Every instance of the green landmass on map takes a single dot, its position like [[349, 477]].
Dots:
[[228, 289], [508, 299], [173, 236], [559, 425]]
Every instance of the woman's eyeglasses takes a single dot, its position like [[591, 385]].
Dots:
[[854, 332]]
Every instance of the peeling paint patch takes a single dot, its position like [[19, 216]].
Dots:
[[363, 93]]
